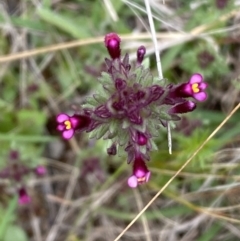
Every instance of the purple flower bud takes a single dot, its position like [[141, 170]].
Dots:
[[112, 42], [140, 138], [221, 4], [120, 84], [32, 88], [5, 173], [23, 197], [40, 170], [69, 124], [135, 117], [140, 95], [156, 92], [112, 150], [102, 111], [18, 170], [140, 173], [91, 166], [184, 107], [205, 59], [140, 54], [118, 105], [14, 155]]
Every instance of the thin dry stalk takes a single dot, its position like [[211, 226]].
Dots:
[[77, 43], [143, 218]]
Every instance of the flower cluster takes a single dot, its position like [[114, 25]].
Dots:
[[16, 170], [130, 108]]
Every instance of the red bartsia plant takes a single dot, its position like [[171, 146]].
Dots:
[[131, 106], [16, 171]]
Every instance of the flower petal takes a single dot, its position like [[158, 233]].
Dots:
[[74, 121], [62, 117], [203, 85], [196, 78], [68, 134], [23, 197], [60, 127], [132, 182], [139, 173], [40, 170], [201, 96], [148, 176]]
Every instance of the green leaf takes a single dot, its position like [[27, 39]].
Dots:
[[138, 73], [7, 218], [31, 121], [146, 63], [15, 233], [113, 128], [102, 130], [35, 117], [100, 98], [64, 23], [123, 137], [7, 121], [210, 233], [154, 146], [105, 79], [26, 138], [146, 79], [25, 23], [169, 56], [91, 101]]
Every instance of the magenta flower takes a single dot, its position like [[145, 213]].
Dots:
[[23, 197], [194, 88], [40, 170], [69, 124], [140, 173]]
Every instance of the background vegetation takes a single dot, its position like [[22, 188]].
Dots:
[[84, 195]]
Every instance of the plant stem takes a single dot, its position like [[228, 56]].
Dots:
[[159, 65]]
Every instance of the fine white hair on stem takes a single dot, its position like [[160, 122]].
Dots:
[[159, 65]]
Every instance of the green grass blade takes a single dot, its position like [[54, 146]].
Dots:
[[6, 219], [209, 234], [62, 22], [25, 138]]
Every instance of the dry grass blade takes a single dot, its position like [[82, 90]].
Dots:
[[77, 43], [176, 174]]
